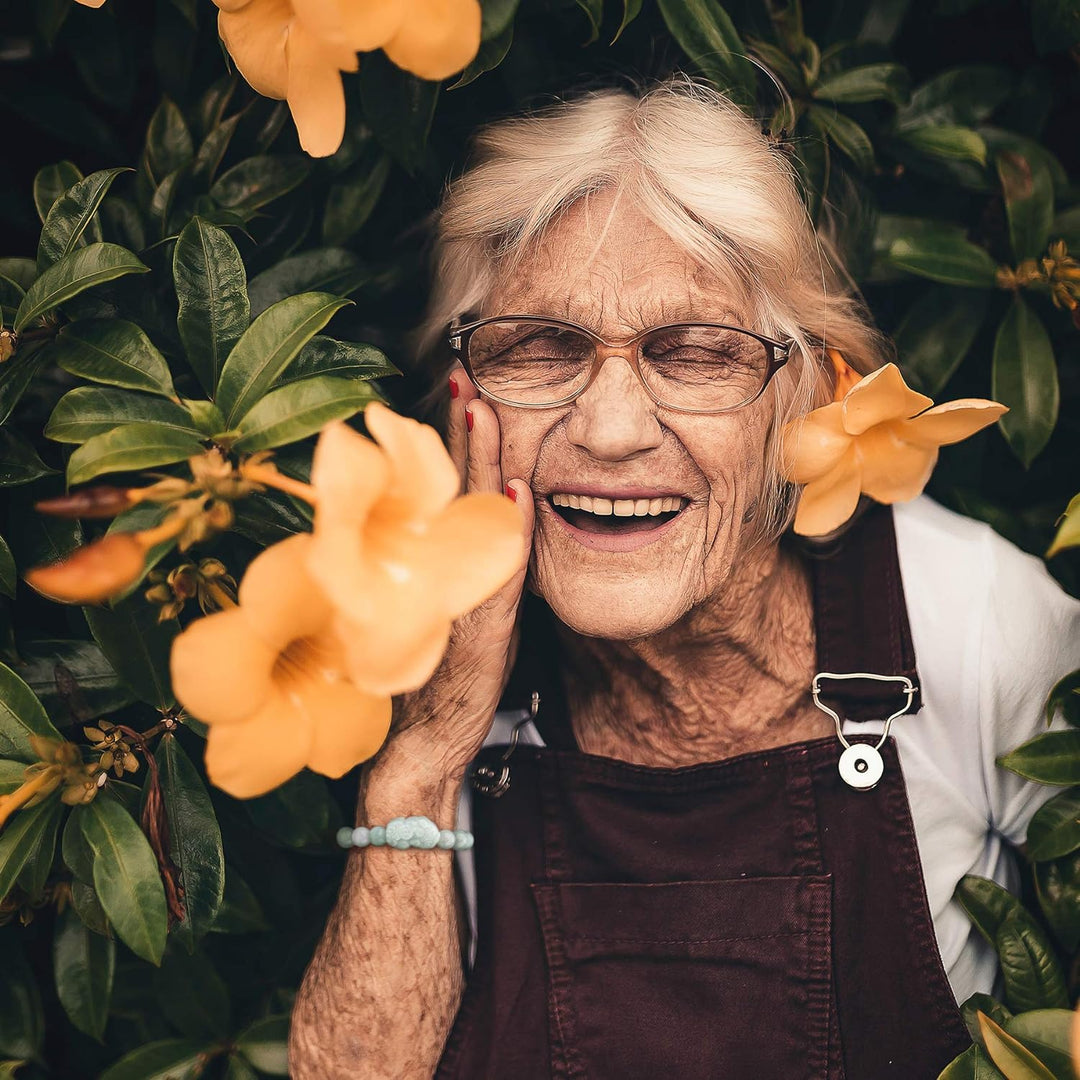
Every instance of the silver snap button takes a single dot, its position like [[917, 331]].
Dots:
[[861, 766]]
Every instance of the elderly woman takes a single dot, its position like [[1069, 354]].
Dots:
[[679, 868]]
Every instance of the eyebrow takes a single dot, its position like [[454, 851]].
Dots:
[[584, 313]]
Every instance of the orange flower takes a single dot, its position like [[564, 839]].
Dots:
[[297, 50], [881, 439], [269, 677], [397, 552]]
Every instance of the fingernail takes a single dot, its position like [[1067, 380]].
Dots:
[[511, 493], [454, 388], [468, 417]]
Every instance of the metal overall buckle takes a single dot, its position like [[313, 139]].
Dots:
[[861, 765], [494, 780]]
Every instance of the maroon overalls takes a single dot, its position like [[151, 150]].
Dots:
[[748, 918]]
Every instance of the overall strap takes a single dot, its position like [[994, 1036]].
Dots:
[[861, 620]]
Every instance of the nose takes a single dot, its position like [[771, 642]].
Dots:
[[615, 418]]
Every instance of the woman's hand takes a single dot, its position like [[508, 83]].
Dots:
[[439, 728]]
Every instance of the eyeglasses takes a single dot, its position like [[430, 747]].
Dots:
[[535, 363]]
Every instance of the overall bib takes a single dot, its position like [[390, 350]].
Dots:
[[755, 917]]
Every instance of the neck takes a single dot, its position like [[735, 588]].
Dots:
[[731, 676]]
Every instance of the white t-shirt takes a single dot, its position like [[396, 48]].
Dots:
[[992, 632]]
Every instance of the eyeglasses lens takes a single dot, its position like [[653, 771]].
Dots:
[[689, 367]]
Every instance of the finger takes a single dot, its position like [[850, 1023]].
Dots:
[[484, 470], [460, 390]]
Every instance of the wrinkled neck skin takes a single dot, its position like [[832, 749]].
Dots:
[[730, 677]]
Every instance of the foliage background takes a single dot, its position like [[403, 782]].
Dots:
[[910, 185]]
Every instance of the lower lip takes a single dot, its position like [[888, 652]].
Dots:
[[630, 541]]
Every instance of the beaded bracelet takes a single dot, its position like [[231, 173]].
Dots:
[[406, 832]]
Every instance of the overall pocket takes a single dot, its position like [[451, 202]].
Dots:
[[699, 979]]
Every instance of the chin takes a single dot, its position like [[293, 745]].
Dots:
[[613, 609]]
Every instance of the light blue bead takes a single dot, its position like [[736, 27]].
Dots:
[[345, 837], [446, 839], [425, 833], [377, 836], [361, 837], [398, 833], [462, 840]]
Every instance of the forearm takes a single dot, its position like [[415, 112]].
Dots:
[[384, 985]]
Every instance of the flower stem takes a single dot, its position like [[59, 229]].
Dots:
[[26, 791], [270, 477]]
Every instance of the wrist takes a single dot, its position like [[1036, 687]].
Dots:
[[401, 783]]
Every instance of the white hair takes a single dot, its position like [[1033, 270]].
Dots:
[[705, 173]]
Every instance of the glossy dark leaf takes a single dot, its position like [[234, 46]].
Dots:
[[140, 445], [936, 333], [300, 813], [35, 871], [846, 134], [240, 911], [324, 270], [265, 1045], [972, 1064], [40, 538], [1053, 758], [211, 288], [988, 905], [8, 574], [490, 55], [399, 107], [22, 1021], [982, 1003], [137, 646], [707, 35], [47, 661], [193, 996], [352, 198], [1057, 885], [83, 966], [51, 182], [257, 181], [17, 374], [946, 143], [126, 876], [76, 852], [869, 82], [945, 257], [1029, 202], [1055, 829], [344, 359], [205, 166], [958, 97], [73, 215], [11, 296], [165, 1059], [75, 273], [21, 715], [19, 462], [28, 832], [91, 410], [267, 347], [1045, 1032], [169, 145], [266, 519], [1033, 977], [1065, 696]]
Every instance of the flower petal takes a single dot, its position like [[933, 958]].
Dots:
[[813, 444], [952, 421], [221, 669], [90, 574], [826, 503], [257, 756], [395, 655], [255, 37], [315, 94], [423, 477], [882, 395], [350, 727], [281, 601], [479, 535], [364, 25], [893, 470], [438, 38]]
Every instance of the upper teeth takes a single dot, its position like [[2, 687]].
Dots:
[[594, 504]]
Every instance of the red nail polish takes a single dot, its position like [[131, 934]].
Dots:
[[468, 418], [511, 493], [454, 388]]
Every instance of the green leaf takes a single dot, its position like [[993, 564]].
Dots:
[[977, 1003], [21, 715], [846, 134], [936, 333], [490, 55], [28, 830], [9, 1068], [253, 183], [1057, 885], [17, 374], [972, 1064], [1025, 379], [266, 519], [126, 876], [498, 16], [240, 911], [1065, 694], [19, 462], [11, 296], [1055, 829], [206, 416], [41, 538], [12, 774], [21, 271], [88, 907], [1033, 977], [145, 515], [944, 257], [75, 273], [988, 905], [49, 664], [266, 348], [1053, 758], [300, 409], [137, 646], [958, 97], [707, 35], [83, 965], [345, 359], [946, 142], [399, 107], [116, 352], [1045, 1032], [236, 1068], [76, 852], [91, 410], [212, 150], [168, 142], [324, 270], [631, 10], [300, 813], [35, 871], [1015, 1060], [22, 1022], [1029, 202], [1068, 531], [134, 446], [594, 12], [193, 996], [166, 1059], [194, 839], [8, 574], [211, 287], [50, 183], [265, 1045], [351, 200], [870, 82], [72, 215]]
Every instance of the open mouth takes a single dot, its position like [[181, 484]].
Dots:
[[593, 514]]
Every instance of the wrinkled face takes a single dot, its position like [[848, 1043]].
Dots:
[[604, 574]]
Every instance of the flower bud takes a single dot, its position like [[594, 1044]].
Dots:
[[93, 573], [101, 501]]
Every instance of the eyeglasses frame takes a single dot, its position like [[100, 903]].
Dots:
[[458, 340]]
